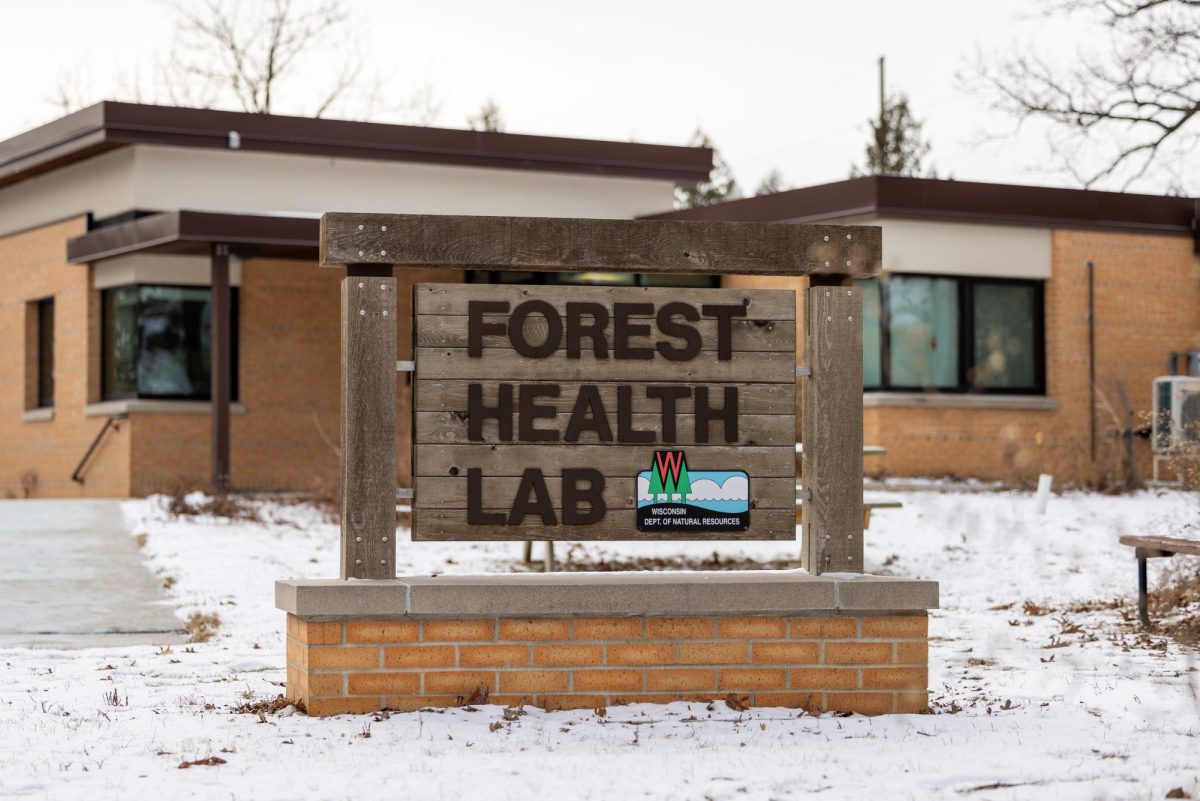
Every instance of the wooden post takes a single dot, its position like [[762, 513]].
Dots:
[[368, 423], [833, 428], [220, 362]]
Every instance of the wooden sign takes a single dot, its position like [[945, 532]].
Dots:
[[555, 412]]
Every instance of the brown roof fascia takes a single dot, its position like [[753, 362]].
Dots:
[[108, 125], [926, 198], [193, 232], [71, 138]]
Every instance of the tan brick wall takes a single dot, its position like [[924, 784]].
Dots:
[[289, 437], [863, 664], [289, 351], [1147, 304], [38, 458]]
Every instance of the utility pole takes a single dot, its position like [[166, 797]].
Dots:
[[881, 131]]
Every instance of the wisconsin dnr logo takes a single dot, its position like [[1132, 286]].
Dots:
[[672, 498]]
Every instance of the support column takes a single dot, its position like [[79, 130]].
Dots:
[[833, 428], [368, 402], [221, 363]]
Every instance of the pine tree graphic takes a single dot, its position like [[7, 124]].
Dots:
[[684, 487], [657, 492]]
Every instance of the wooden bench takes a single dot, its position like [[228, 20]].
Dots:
[[868, 450], [1153, 548], [868, 506]]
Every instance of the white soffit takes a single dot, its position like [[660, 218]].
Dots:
[[149, 268], [250, 182], [957, 248], [102, 185]]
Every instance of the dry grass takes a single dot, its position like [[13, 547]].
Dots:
[[222, 504], [202, 627], [1178, 600], [266, 706], [577, 560]]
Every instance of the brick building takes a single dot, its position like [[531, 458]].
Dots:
[[1015, 330], [114, 219], [983, 339]]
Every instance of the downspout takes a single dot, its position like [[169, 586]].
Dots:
[[1091, 321]]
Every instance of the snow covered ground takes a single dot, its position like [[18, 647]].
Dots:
[[1060, 699]]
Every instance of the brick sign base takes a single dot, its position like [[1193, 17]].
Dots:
[[871, 660]]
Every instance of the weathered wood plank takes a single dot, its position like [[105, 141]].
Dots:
[[440, 396], [448, 300], [833, 430], [445, 492], [768, 429], [499, 364], [434, 331], [368, 398], [1164, 544], [612, 461], [620, 524], [558, 244]]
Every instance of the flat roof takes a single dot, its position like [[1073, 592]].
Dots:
[[194, 232], [928, 198], [110, 125]]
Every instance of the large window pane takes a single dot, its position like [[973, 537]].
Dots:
[[173, 341], [120, 342], [923, 332], [1005, 348], [872, 333], [158, 342]]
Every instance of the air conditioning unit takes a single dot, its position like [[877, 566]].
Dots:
[[1176, 412]]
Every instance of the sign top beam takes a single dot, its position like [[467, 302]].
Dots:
[[548, 244]]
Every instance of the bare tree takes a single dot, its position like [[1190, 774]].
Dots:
[[487, 118], [267, 56], [223, 48], [1112, 115]]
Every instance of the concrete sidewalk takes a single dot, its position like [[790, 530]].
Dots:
[[71, 577]]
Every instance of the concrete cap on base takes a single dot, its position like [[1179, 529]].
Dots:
[[741, 592]]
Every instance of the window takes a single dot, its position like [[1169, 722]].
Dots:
[[157, 342], [44, 320], [592, 278], [952, 334]]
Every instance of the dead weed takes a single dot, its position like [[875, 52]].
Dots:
[[202, 626]]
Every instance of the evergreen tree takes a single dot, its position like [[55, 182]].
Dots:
[[896, 146], [720, 185], [684, 487], [669, 489], [771, 183], [656, 486]]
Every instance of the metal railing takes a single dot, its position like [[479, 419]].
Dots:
[[110, 423]]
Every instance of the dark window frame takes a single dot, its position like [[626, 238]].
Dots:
[[45, 360], [234, 345], [965, 296]]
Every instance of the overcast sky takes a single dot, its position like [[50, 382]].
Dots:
[[784, 85]]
